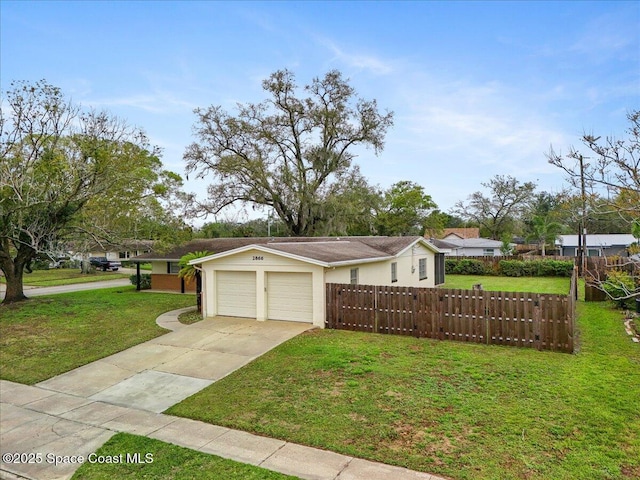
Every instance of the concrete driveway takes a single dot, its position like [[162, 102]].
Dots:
[[159, 373], [52, 423]]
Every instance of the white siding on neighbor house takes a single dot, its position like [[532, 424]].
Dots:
[[379, 273], [262, 263], [473, 252]]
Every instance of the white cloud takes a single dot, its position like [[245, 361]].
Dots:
[[158, 102], [359, 61]]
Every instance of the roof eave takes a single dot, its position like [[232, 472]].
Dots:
[[344, 263], [424, 242], [261, 248]]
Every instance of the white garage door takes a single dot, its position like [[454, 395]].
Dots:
[[236, 294], [289, 297]]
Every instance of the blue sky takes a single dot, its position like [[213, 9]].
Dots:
[[478, 88]]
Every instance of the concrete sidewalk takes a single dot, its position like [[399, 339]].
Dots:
[[76, 412], [56, 425]]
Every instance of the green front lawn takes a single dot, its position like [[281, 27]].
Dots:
[[168, 462], [65, 276], [510, 284], [462, 410], [45, 336]]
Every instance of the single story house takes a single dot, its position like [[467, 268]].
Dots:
[[120, 252], [468, 247], [285, 278], [597, 245]]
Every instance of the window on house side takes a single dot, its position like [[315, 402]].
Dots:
[[174, 267], [488, 252], [422, 268], [354, 276], [394, 272]]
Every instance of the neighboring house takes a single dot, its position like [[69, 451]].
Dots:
[[124, 251], [285, 278], [598, 245], [466, 232], [469, 247]]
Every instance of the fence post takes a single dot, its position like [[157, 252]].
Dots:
[[537, 322], [487, 319], [375, 309]]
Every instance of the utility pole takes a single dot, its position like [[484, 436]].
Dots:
[[583, 233]]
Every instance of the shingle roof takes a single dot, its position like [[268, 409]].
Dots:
[[324, 249], [463, 232]]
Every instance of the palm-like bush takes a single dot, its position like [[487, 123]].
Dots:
[[188, 272]]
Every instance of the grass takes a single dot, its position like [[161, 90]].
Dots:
[[190, 317], [467, 411], [510, 284], [66, 276], [169, 462], [49, 335]]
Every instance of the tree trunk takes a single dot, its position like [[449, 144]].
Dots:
[[13, 272], [85, 264]]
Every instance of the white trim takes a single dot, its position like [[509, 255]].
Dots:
[[344, 263], [425, 243], [266, 249], [261, 248]]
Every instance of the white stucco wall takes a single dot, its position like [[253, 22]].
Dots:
[[379, 273]]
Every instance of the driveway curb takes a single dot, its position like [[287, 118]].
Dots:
[[170, 320]]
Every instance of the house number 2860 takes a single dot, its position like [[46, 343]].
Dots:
[[258, 257]]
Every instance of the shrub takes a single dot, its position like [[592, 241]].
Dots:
[[536, 268], [509, 268], [449, 265], [466, 266], [619, 284], [512, 268], [145, 281]]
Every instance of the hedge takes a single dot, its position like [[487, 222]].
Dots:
[[536, 268], [465, 266], [510, 268]]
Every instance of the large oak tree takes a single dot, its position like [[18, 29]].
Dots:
[[496, 211], [65, 175], [290, 152]]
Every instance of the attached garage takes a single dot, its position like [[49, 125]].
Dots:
[[290, 296], [236, 293], [286, 278]]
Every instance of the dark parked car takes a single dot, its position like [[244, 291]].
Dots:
[[104, 264]]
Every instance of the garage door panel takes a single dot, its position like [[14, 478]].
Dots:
[[290, 296], [236, 293]]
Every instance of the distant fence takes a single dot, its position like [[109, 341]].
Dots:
[[597, 267], [534, 320]]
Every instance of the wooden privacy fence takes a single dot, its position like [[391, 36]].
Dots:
[[535, 320]]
